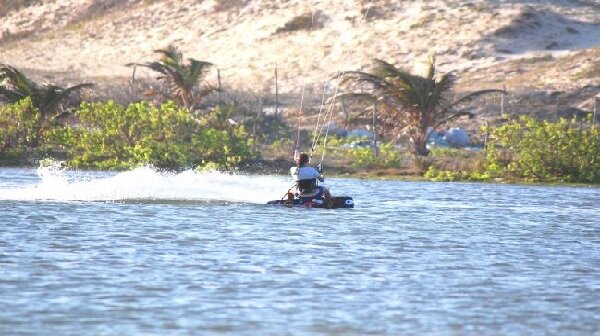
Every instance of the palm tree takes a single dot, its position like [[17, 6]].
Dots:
[[409, 103], [46, 98], [180, 79]]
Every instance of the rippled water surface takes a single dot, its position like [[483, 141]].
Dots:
[[145, 253]]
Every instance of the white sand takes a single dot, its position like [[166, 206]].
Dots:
[[242, 42]]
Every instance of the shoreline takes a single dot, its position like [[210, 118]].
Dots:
[[360, 174]]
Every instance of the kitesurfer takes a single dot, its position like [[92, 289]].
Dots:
[[305, 177]]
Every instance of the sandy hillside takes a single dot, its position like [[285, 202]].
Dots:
[[524, 45]]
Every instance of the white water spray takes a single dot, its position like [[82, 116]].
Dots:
[[146, 184]]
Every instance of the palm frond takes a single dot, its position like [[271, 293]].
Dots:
[[384, 69], [454, 116], [364, 78], [16, 85], [10, 96], [179, 78], [431, 68], [63, 93], [411, 103], [352, 95], [49, 98], [198, 68], [171, 56], [155, 66]]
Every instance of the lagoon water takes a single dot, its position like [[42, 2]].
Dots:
[[149, 253]]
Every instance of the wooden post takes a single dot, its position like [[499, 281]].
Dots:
[[256, 121], [219, 86], [132, 83], [276, 94], [485, 139], [375, 149], [596, 99], [502, 102]]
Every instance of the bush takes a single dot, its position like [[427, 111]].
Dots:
[[364, 157], [443, 175], [112, 136], [20, 128], [567, 151], [439, 175]]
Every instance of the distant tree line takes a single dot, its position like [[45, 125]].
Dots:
[[37, 121]]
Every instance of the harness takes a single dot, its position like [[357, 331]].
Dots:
[[306, 186]]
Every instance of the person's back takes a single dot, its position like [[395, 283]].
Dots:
[[306, 178]]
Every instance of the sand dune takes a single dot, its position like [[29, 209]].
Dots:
[[309, 40]]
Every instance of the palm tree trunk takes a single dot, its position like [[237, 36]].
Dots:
[[419, 140]]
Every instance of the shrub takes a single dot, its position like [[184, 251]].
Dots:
[[19, 127], [438, 175], [545, 151], [112, 136], [364, 157]]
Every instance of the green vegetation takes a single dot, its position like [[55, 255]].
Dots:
[[112, 136], [108, 135], [365, 157], [529, 150], [181, 79], [534, 150], [359, 153], [19, 129], [46, 100], [410, 103]]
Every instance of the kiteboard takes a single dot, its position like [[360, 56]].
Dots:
[[340, 202]]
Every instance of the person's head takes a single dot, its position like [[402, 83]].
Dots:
[[302, 159]]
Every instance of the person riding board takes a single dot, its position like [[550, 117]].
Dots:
[[306, 177]]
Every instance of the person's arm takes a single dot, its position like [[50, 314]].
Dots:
[[294, 173], [319, 176]]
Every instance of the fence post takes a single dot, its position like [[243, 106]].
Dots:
[[375, 149], [596, 100], [256, 121], [276, 93], [502, 102], [219, 86]]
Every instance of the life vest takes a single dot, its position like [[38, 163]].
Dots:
[[313, 199]]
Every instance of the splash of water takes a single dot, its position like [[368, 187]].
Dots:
[[146, 184]]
